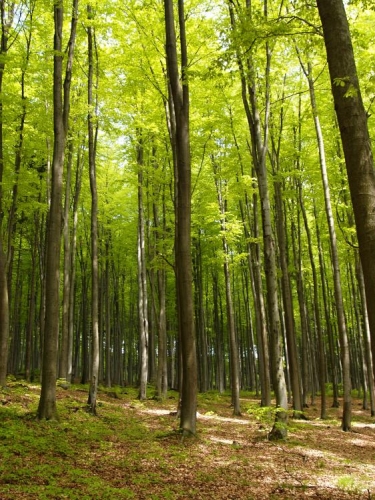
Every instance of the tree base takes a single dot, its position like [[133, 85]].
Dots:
[[279, 432]]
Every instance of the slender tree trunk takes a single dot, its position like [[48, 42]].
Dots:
[[162, 374], [72, 268], [317, 317], [162, 368], [260, 311], [346, 418], [47, 404], [259, 152], [7, 14], [109, 341], [142, 282], [180, 96], [31, 312], [232, 334], [254, 266], [64, 347], [366, 337], [219, 346], [200, 318], [290, 332], [92, 136], [325, 294]]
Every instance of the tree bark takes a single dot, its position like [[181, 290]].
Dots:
[[343, 337], [259, 148], [142, 282], [6, 23], [180, 97], [64, 346], [352, 120], [92, 135], [232, 334], [47, 404]]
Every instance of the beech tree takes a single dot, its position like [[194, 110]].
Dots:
[[7, 18], [352, 120], [61, 104], [180, 100]]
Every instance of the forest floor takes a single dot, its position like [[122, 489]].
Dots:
[[132, 450]]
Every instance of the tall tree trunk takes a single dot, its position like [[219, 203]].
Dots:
[[162, 368], [352, 119], [254, 265], [180, 96], [72, 268], [7, 15], [290, 331], [325, 297], [366, 336], [343, 337], [281, 231], [232, 334], [218, 328], [31, 310], [260, 310], [108, 326], [61, 103], [200, 318], [92, 137], [259, 149], [142, 282], [64, 346]]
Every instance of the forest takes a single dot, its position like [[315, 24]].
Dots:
[[186, 200]]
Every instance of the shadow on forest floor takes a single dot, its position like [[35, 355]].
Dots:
[[133, 450]]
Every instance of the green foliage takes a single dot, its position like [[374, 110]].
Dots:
[[265, 415], [349, 484]]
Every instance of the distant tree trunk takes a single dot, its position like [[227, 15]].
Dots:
[[200, 318], [108, 325], [64, 347], [281, 231], [6, 23], [162, 373], [260, 310], [232, 334], [180, 96], [142, 282], [366, 337], [301, 293], [218, 328], [72, 268], [31, 311], [254, 264], [259, 147], [85, 328], [61, 103], [331, 344], [290, 331], [352, 119], [162, 368], [92, 138], [346, 419], [4, 317]]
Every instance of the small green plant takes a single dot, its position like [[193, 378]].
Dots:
[[263, 414], [349, 484]]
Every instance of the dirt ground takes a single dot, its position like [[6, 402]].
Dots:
[[133, 449]]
